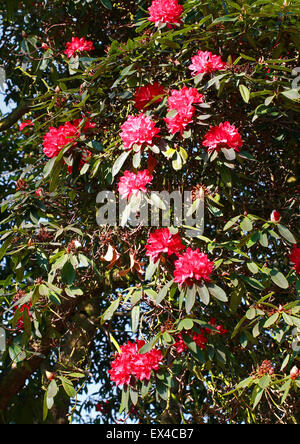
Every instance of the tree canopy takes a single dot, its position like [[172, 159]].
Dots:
[[177, 323]]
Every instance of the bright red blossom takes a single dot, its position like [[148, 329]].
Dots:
[[163, 241], [138, 131], [295, 258], [275, 216], [192, 266], [57, 138], [78, 45], [25, 124], [132, 183], [165, 11], [39, 192], [130, 363], [182, 101], [145, 94], [224, 135], [24, 307], [204, 62], [199, 338]]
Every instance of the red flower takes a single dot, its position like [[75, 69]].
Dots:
[[146, 94], [206, 62], [192, 266], [132, 183], [39, 192], [78, 45], [130, 363], [165, 11], [182, 101], [163, 241], [275, 216], [138, 131], [20, 324], [223, 136], [57, 138], [85, 157], [25, 124], [220, 328], [295, 258], [199, 338]]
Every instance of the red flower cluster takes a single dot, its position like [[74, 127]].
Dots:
[[78, 45], [295, 258], [57, 138], [182, 101], [130, 363], [204, 62], [39, 192], [163, 241], [25, 124], [132, 183], [20, 324], [85, 157], [146, 94], [199, 338], [192, 266], [224, 135], [165, 11], [138, 131]]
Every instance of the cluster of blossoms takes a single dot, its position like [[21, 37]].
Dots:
[[204, 62], [58, 138], [163, 241], [201, 338], [23, 308], [78, 45], [131, 183], [165, 11], [182, 103], [225, 136], [138, 131], [295, 258], [131, 364], [192, 267]]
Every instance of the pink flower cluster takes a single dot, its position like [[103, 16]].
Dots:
[[163, 241], [224, 135], [204, 62], [57, 138], [295, 258], [165, 11], [192, 267], [182, 101], [131, 183], [131, 364], [138, 130], [78, 45], [146, 94]]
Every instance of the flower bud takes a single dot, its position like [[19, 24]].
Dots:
[[294, 373], [50, 376], [275, 216]]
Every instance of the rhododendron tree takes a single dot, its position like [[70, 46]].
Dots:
[[149, 244]]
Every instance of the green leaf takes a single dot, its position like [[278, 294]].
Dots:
[[286, 234], [190, 298], [245, 93], [246, 224], [217, 292], [264, 381], [279, 279], [272, 319], [68, 274], [68, 387], [203, 293], [110, 311], [135, 318], [163, 292], [119, 163], [106, 3], [251, 313]]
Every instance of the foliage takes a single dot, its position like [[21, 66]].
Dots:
[[90, 289]]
